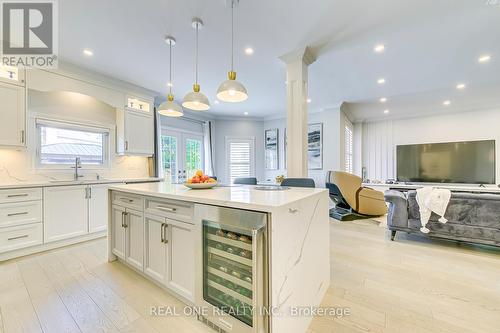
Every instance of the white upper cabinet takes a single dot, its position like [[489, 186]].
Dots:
[[12, 115], [135, 128], [12, 75]]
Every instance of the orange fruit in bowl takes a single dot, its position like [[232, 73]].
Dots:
[[199, 173]]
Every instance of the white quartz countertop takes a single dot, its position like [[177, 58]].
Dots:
[[49, 183], [244, 197]]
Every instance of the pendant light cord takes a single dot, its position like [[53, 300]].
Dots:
[[170, 79], [196, 51], [232, 35]]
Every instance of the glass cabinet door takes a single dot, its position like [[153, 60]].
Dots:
[[228, 272]]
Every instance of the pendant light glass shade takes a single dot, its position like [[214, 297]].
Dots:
[[196, 100], [232, 91], [170, 108]]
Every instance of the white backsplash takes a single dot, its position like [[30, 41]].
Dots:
[[17, 167]]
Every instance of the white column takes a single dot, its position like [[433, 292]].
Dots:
[[296, 105]]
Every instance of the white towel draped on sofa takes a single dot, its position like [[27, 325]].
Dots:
[[430, 200]]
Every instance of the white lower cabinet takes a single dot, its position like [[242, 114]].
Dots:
[[161, 247], [18, 237], [128, 235], [65, 212], [181, 241], [134, 238], [98, 207], [156, 256], [76, 210], [118, 231]]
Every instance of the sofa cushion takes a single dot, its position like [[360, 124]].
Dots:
[[459, 231], [472, 209]]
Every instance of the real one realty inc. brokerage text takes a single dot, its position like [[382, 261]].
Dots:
[[292, 311]]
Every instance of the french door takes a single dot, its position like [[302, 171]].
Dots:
[[182, 154]]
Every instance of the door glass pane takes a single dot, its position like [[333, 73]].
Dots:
[[228, 270], [193, 157], [169, 151]]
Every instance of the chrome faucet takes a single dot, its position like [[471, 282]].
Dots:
[[78, 165]]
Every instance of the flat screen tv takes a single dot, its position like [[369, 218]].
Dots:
[[469, 162]]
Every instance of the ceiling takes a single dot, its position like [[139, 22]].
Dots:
[[430, 47]]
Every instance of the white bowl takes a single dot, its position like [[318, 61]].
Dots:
[[200, 186]]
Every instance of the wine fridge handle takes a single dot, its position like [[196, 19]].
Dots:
[[258, 278]]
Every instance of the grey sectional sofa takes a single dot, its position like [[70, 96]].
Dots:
[[472, 217]]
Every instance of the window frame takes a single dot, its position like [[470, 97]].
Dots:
[[43, 122], [229, 139]]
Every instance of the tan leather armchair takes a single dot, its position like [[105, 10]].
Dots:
[[363, 200]]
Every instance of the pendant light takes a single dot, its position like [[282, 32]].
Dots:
[[231, 90], [195, 100], [170, 108]]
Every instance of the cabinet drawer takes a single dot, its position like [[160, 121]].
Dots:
[[173, 209], [128, 200], [18, 213], [20, 194], [13, 238]]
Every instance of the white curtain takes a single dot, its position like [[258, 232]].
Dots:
[[209, 148], [159, 148]]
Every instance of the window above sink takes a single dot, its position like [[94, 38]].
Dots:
[[60, 143]]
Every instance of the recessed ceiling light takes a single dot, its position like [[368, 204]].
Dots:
[[386, 111], [245, 113], [383, 100], [381, 81], [379, 48], [446, 102], [309, 100], [461, 86], [216, 101], [484, 58], [248, 51], [88, 52]]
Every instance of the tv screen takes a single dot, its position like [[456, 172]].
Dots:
[[470, 162]]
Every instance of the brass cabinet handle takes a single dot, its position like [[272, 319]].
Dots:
[[166, 209], [125, 224], [17, 195], [16, 214], [164, 232], [17, 237]]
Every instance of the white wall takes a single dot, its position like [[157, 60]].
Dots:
[[238, 128], [333, 133], [379, 139]]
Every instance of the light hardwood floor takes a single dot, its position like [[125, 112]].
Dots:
[[411, 285]]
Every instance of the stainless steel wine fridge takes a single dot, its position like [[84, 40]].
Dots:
[[232, 273]]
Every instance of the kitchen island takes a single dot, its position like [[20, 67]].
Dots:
[[227, 250]]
